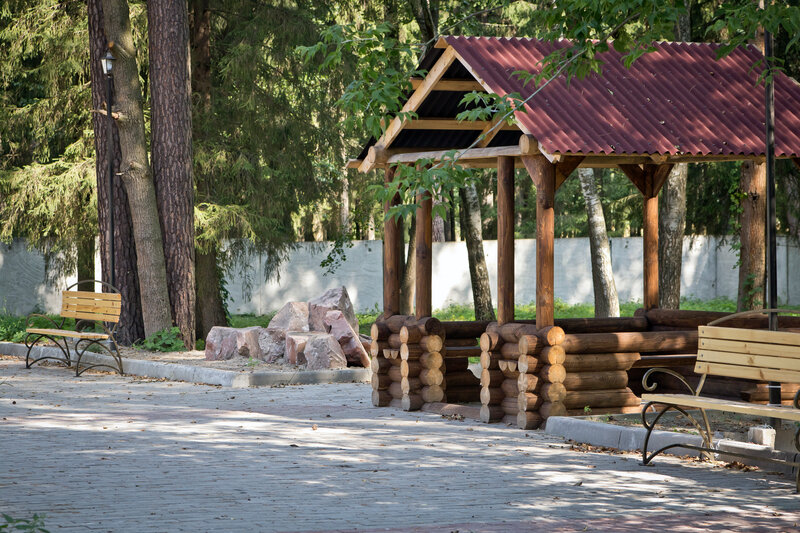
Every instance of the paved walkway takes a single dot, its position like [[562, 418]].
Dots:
[[111, 453]]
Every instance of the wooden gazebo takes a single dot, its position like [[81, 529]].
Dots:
[[677, 104]]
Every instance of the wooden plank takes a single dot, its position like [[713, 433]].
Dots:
[[424, 256], [757, 361], [67, 333], [472, 153], [465, 86], [396, 125], [91, 316], [505, 240], [687, 400], [565, 168], [754, 348], [636, 175], [747, 372], [751, 335], [99, 306], [93, 295], [453, 124]]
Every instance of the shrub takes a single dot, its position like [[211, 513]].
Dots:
[[167, 340]]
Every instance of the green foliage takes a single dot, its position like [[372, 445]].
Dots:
[[167, 340], [12, 328], [249, 320], [34, 524]]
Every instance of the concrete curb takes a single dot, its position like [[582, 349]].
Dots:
[[628, 438], [207, 376]]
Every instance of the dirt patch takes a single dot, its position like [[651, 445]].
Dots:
[[198, 358]]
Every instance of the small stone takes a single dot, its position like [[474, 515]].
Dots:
[[272, 342], [765, 436], [292, 317], [322, 352], [332, 299]]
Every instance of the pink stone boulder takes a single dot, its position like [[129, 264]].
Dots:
[[323, 352], [224, 343], [296, 345], [272, 342], [332, 299], [348, 339], [292, 317]]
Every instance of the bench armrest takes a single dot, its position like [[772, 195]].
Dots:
[[754, 312], [29, 320], [650, 387]]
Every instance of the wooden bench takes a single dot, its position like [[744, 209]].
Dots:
[[732, 352], [89, 309]]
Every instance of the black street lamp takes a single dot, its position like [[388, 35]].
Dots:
[[108, 64]]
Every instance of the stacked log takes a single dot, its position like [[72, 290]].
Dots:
[[385, 352], [422, 363], [678, 319], [540, 384]]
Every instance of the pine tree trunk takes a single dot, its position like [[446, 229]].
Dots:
[[135, 170], [671, 227], [606, 302], [86, 261], [752, 255], [210, 307], [471, 230], [171, 122], [408, 282], [130, 328]]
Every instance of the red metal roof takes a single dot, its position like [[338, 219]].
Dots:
[[676, 100]]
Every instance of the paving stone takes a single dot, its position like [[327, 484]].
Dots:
[[119, 453]]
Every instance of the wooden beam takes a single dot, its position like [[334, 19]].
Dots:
[[451, 124], [490, 131], [422, 92], [565, 168], [353, 163], [650, 235], [424, 255], [505, 239], [543, 174], [391, 258], [636, 175], [450, 85], [796, 161], [472, 153]]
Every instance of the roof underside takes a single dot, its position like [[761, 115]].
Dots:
[[677, 101]]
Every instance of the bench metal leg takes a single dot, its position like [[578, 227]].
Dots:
[[31, 339], [88, 343], [704, 430]]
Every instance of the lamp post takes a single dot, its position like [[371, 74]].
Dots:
[[108, 64]]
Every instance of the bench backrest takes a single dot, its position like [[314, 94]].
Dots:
[[83, 305], [749, 354]]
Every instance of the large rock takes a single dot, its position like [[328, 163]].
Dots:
[[333, 299], [348, 339], [224, 343], [272, 342], [292, 317], [322, 351], [296, 345]]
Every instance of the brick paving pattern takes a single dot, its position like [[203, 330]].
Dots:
[[110, 453]]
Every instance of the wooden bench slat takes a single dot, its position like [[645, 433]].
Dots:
[[112, 304], [90, 309], [91, 316], [750, 335], [747, 372], [755, 348], [784, 412], [92, 295], [760, 361], [67, 333]]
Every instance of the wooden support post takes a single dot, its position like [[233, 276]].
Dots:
[[649, 179], [543, 174], [391, 259], [505, 240], [650, 251], [424, 255]]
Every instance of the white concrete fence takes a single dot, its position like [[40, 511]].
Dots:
[[709, 271]]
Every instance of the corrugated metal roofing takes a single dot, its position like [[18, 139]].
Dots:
[[676, 100]]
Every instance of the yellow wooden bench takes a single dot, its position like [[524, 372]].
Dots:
[[760, 355], [89, 309]]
